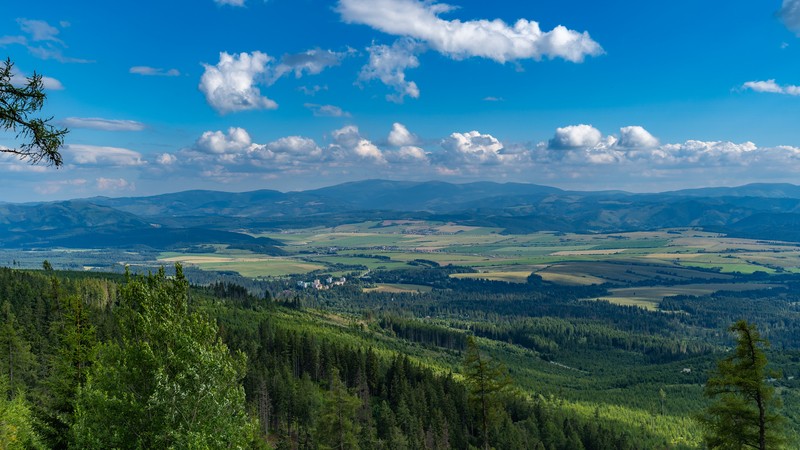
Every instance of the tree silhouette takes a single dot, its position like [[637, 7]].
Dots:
[[17, 104]]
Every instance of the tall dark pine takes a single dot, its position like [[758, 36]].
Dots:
[[744, 413]]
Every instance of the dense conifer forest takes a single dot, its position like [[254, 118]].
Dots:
[[102, 360]]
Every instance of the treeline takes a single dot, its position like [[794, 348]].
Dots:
[[552, 337]]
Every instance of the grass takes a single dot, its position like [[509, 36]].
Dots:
[[650, 297], [509, 276], [399, 288]]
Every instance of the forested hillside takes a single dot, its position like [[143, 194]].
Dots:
[[99, 361]]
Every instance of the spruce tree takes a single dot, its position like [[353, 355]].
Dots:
[[744, 414]]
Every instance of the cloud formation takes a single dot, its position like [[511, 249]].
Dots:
[[576, 136], [790, 14], [97, 123], [218, 142], [114, 184], [154, 71], [400, 136], [636, 137], [470, 148], [230, 2], [231, 84], [101, 156], [311, 62], [491, 39], [772, 87], [41, 39], [326, 110], [388, 64]]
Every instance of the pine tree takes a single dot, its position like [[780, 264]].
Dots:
[[337, 427], [744, 414], [487, 379]]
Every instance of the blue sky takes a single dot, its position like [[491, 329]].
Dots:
[[249, 94]]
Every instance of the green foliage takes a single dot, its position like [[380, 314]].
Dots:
[[16, 422], [167, 382], [17, 103], [487, 381], [745, 412], [16, 360], [337, 427]]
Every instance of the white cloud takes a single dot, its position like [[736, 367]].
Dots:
[[400, 136], [297, 146], [166, 159], [492, 39], [98, 155], [790, 14], [348, 141], [115, 184], [97, 123], [469, 149], [50, 83], [772, 87], [310, 62], [326, 110], [230, 85], [576, 136], [154, 71], [636, 137], [410, 153], [230, 2], [48, 45], [388, 64], [218, 142]]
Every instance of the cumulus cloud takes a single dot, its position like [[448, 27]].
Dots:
[[311, 62], [400, 136], [636, 137], [790, 14], [101, 156], [231, 84], [470, 149], [491, 39], [771, 86], [326, 110], [154, 71], [348, 141], [97, 123], [114, 184], [388, 64], [166, 159], [576, 136], [217, 142]]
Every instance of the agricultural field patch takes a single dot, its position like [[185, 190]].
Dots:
[[650, 296], [508, 276], [397, 288]]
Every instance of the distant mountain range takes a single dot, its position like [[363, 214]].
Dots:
[[184, 219]]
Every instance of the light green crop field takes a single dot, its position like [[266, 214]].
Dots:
[[397, 288], [573, 259], [650, 297]]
